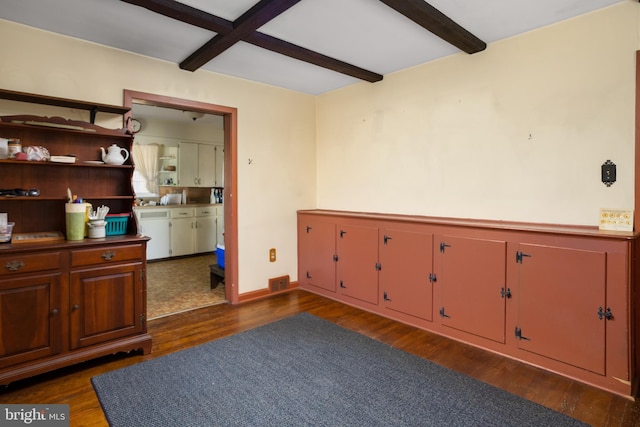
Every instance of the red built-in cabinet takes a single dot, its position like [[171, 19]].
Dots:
[[472, 300], [316, 253], [559, 297], [405, 281], [357, 269]]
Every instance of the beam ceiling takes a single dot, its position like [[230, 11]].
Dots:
[[245, 29]]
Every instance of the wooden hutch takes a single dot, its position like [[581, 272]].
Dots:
[[63, 302]]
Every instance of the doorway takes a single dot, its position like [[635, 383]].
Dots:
[[229, 116]]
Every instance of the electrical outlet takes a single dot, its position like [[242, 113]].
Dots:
[[272, 255], [616, 219]]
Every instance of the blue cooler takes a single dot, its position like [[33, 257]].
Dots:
[[220, 255]]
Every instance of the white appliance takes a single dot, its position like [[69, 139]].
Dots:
[[154, 223]]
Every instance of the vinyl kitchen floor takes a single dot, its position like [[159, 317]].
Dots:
[[178, 285]]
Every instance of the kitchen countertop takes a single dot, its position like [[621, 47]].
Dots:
[[188, 205]]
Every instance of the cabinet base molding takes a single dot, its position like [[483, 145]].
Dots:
[[141, 343], [559, 298]]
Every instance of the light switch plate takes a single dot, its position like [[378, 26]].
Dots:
[[616, 220]]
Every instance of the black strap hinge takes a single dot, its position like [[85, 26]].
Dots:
[[520, 256], [519, 335], [443, 314], [433, 278], [443, 246], [605, 314]]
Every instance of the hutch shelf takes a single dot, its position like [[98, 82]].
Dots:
[[62, 302]]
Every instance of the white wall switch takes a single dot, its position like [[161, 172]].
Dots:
[[616, 220]]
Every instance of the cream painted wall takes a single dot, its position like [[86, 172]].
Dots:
[[517, 132], [276, 129]]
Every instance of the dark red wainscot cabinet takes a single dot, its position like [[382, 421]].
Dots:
[[557, 297]]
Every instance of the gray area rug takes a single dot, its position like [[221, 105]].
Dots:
[[305, 371]]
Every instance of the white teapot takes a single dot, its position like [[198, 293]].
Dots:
[[115, 155]]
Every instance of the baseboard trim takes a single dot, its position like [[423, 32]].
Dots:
[[264, 293]]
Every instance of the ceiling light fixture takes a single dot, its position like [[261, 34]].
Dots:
[[193, 115]]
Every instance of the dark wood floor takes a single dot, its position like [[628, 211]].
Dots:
[[72, 385]]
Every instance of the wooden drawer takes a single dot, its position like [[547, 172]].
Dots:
[[205, 211], [182, 212], [106, 254], [27, 263]]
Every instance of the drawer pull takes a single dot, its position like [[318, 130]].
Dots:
[[75, 307], [14, 265], [108, 255], [54, 312]]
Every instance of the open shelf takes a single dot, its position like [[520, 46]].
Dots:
[[92, 107]]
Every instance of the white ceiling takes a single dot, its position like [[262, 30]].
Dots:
[[364, 33]]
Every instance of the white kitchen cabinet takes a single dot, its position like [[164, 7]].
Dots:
[[182, 231], [219, 209], [219, 165], [193, 230], [206, 165], [205, 229], [196, 164], [187, 164], [154, 223]]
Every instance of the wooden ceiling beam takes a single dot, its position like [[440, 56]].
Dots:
[[293, 51], [190, 15], [431, 19], [261, 13], [187, 14]]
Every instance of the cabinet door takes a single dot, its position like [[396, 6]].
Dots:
[[206, 165], [106, 303], [220, 229], [471, 278], [182, 236], [558, 306], [30, 318], [219, 166], [205, 234], [316, 252], [187, 164], [405, 260], [357, 273]]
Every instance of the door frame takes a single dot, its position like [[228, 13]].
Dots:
[[230, 118]]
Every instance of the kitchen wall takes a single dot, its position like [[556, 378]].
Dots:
[[276, 130], [169, 133], [517, 132]]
